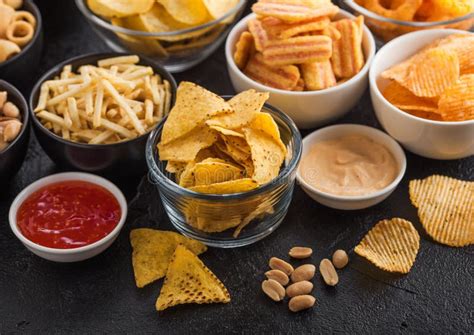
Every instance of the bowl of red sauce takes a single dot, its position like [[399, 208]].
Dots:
[[68, 217]]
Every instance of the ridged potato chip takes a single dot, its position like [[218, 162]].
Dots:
[[445, 208], [404, 99], [243, 49], [391, 245], [457, 102], [292, 12], [259, 34], [318, 75], [189, 281], [152, 251], [119, 8], [192, 12]]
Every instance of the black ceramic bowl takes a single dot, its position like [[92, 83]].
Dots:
[[12, 156], [118, 159], [19, 67]]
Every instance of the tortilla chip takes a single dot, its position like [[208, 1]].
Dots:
[[266, 123], [189, 281], [210, 171], [227, 187], [152, 251]]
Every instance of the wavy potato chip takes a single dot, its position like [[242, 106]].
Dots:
[[318, 75], [293, 12], [259, 34], [152, 251], [192, 12], [347, 56], [119, 8], [457, 102], [404, 99], [189, 281], [391, 245], [445, 208], [227, 187]]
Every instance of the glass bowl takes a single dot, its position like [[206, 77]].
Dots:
[[262, 209], [386, 29], [176, 50]]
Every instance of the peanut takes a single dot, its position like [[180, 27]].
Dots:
[[299, 288], [273, 289], [10, 110], [11, 130], [340, 259], [303, 272], [301, 302], [279, 264], [300, 252], [279, 276], [328, 272]]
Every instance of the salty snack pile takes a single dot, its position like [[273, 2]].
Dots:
[[157, 253], [293, 45], [10, 121], [113, 101], [17, 28], [164, 16], [437, 83]]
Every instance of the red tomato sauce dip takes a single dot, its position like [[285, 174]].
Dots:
[[68, 214]]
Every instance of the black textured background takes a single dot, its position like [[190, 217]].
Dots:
[[99, 295]]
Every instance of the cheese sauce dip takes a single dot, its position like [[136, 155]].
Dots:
[[351, 165]]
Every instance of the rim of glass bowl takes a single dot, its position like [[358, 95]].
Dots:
[[104, 24], [152, 158], [364, 11]]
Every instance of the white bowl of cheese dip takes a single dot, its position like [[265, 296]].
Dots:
[[350, 166]]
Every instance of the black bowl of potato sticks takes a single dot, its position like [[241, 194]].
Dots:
[[94, 112], [21, 41], [14, 131]]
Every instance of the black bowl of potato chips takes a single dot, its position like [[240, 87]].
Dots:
[[94, 112]]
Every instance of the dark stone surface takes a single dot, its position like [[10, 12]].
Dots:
[[99, 295]]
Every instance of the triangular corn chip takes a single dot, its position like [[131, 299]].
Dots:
[[189, 281], [391, 245], [152, 251]]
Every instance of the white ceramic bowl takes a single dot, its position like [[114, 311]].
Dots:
[[352, 202], [431, 139], [311, 108], [76, 254]]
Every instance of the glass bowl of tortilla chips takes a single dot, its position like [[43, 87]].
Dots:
[[240, 215], [177, 34], [388, 19]]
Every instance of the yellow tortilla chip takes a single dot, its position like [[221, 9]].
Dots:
[[185, 148], [186, 178], [445, 208], [152, 251], [175, 167], [119, 8], [189, 281], [266, 123], [391, 245], [192, 12], [225, 131], [227, 187], [194, 105], [211, 172]]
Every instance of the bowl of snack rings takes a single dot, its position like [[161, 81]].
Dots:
[[388, 19], [94, 112], [314, 64], [21, 40], [422, 90], [227, 178], [14, 130], [177, 34]]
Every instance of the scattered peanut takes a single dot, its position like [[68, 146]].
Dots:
[[299, 288], [328, 272], [279, 264], [301, 302], [300, 252], [279, 276], [273, 289], [340, 259], [303, 272]]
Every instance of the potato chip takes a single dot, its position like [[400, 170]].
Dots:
[[300, 85], [457, 102], [318, 75], [243, 49], [227, 187], [280, 29], [188, 281], [463, 46], [402, 98], [119, 8], [425, 115], [432, 72], [192, 12], [152, 251], [347, 57], [391, 245], [298, 50], [281, 77], [293, 12], [246, 105], [203, 103], [218, 8], [259, 34], [185, 148], [445, 208]]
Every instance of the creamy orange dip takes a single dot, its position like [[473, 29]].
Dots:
[[349, 165]]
